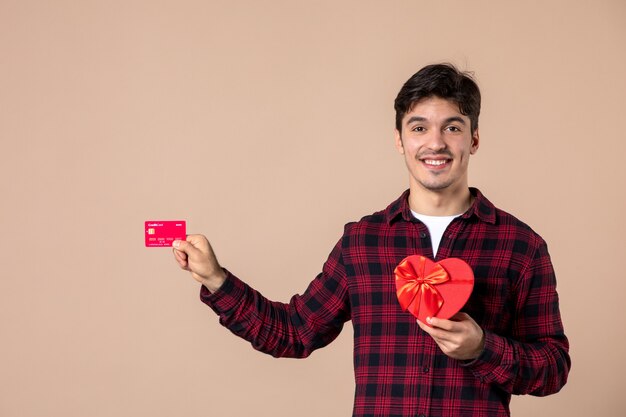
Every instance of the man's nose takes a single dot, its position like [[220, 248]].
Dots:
[[435, 141]]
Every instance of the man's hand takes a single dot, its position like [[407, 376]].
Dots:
[[196, 256], [459, 338]]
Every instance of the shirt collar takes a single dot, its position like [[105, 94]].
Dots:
[[481, 208]]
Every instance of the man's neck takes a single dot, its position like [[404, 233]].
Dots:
[[440, 203]]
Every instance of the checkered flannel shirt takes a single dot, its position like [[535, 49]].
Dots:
[[399, 370]]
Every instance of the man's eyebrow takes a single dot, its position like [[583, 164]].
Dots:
[[416, 119], [454, 119]]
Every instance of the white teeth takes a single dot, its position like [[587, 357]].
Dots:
[[435, 162]]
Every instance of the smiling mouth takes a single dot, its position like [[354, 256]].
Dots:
[[435, 163]]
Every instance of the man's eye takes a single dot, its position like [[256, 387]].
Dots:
[[418, 129], [453, 129]]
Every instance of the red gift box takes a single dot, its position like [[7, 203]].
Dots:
[[433, 289]]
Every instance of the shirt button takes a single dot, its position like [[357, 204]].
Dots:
[[426, 369], [423, 235], [422, 415]]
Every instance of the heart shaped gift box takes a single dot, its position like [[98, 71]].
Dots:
[[433, 289]]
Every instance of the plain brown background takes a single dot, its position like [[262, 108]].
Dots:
[[267, 126]]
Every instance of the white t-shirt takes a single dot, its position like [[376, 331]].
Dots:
[[436, 226]]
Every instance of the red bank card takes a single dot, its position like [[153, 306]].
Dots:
[[161, 233]]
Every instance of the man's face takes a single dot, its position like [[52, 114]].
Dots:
[[437, 141]]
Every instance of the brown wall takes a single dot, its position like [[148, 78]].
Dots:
[[268, 125]]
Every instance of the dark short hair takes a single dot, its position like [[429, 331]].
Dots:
[[440, 80]]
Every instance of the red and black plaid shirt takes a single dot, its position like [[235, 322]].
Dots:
[[399, 370]]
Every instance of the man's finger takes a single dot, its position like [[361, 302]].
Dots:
[[435, 333], [438, 323], [181, 258], [179, 254]]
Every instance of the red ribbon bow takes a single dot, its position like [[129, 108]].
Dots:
[[415, 289]]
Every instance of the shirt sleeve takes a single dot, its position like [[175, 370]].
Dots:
[[295, 329], [535, 359]]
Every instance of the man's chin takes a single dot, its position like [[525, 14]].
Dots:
[[436, 186]]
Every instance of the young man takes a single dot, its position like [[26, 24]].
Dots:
[[507, 340]]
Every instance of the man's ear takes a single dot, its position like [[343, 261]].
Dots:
[[398, 142], [475, 142]]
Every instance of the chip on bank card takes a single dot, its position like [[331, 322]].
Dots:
[[160, 233]]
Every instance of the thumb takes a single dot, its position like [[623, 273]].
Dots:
[[185, 247], [194, 245]]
